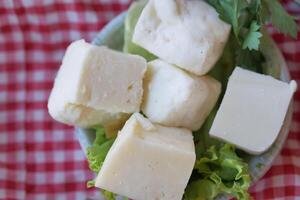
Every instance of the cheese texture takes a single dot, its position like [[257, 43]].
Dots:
[[85, 117], [252, 111], [188, 34], [96, 85], [173, 97], [148, 161]]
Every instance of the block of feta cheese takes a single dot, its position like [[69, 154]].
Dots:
[[96, 84], [252, 111], [85, 117], [148, 161], [173, 97], [188, 34]]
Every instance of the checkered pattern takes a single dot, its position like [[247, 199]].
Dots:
[[41, 159]]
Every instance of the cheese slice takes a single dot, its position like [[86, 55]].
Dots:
[[189, 34], [96, 85], [148, 161], [252, 111], [173, 97]]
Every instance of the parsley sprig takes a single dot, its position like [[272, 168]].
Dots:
[[248, 16]]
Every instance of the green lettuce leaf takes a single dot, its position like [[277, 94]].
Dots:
[[132, 17], [108, 195], [96, 155], [98, 151], [221, 171]]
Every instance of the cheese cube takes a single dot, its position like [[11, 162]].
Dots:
[[188, 34], [252, 111], [96, 85], [85, 117], [148, 161], [173, 97]]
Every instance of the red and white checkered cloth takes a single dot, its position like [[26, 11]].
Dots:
[[40, 158]]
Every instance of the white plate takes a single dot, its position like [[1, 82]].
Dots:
[[112, 36]]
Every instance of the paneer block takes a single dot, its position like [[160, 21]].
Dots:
[[188, 34], [148, 161], [173, 97], [252, 111], [95, 84], [85, 117]]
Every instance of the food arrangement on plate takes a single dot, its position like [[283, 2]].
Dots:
[[195, 93]]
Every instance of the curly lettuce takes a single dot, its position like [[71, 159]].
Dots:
[[98, 151], [220, 171], [96, 155]]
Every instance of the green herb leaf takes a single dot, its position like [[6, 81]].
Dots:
[[252, 38], [263, 13], [254, 7], [230, 11], [284, 22]]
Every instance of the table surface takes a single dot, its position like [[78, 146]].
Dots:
[[40, 158]]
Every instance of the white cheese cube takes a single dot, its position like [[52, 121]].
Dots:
[[85, 117], [96, 85], [173, 97], [148, 161], [188, 34], [252, 111]]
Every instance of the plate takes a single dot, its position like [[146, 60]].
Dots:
[[112, 36]]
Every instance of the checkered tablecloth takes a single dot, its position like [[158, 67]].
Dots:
[[40, 158]]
